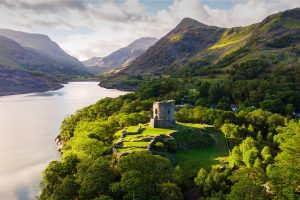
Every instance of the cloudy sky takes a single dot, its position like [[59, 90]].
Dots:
[[87, 28]]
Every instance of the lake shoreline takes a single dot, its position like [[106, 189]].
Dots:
[[57, 87], [30, 123], [32, 91]]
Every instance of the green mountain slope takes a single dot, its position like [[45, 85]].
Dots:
[[272, 43], [196, 50]]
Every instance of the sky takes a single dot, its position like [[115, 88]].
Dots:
[[95, 28]]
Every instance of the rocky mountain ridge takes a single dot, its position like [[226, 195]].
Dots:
[[120, 58]]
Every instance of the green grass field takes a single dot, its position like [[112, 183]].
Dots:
[[135, 144], [148, 131], [193, 159], [190, 160], [122, 150]]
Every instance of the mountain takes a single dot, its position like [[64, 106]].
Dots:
[[33, 62], [184, 41], [193, 49], [14, 81], [92, 62], [121, 57], [93, 65], [42, 44]]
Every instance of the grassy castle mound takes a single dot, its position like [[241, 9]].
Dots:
[[189, 145]]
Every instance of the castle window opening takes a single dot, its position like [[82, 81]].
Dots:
[[163, 114]]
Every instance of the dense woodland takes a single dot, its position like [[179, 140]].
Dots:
[[264, 141]]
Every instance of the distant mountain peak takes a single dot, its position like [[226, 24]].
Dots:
[[195, 49], [142, 43], [144, 39], [294, 13], [15, 33], [42, 44], [120, 58], [189, 22]]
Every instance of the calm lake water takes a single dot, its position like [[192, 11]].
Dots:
[[29, 124]]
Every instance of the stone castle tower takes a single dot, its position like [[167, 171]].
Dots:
[[163, 114]]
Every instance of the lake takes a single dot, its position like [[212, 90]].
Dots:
[[29, 124]]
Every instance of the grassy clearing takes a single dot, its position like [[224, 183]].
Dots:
[[190, 160], [131, 140], [128, 129], [193, 159], [132, 128], [123, 150], [148, 131], [156, 131], [201, 126], [135, 144]]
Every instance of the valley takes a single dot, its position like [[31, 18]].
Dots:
[[34, 63], [196, 51], [204, 112], [235, 94]]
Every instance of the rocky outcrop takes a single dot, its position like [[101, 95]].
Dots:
[[59, 144]]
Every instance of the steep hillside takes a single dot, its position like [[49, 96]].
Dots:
[[34, 67], [193, 49], [94, 61], [14, 77], [183, 42], [121, 57], [43, 45], [263, 48], [14, 81]]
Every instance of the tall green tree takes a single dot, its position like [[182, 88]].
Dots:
[[284, 174], [97, 179], [141, 174], [248, 185], [170, 191]]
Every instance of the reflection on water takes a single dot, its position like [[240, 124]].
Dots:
[[29, 124], [51, 93]]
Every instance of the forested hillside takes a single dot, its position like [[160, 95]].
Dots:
[[263, 163], [257, 65], [266, 52], [237, 136]]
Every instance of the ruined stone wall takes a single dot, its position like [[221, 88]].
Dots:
[[164, 110], [163, 114]]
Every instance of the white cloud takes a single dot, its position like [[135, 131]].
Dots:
[[134, 7], [96, 28]]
